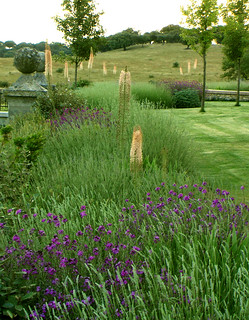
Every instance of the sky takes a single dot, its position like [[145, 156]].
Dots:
[[31, 20]]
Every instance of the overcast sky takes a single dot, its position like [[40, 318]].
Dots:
[[31, 20]]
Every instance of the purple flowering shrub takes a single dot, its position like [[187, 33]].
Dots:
[[118, 269], [76, 117], [176, 86]]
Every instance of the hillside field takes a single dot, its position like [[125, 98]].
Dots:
[[148, 62]]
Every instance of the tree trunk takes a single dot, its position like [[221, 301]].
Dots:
[[237, 104], [204, 83]]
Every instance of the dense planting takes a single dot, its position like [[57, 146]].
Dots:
[[89, 238], [86, 272]]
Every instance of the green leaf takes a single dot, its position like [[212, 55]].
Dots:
[[19, 308], [8, 305], [12, 299], [8, 313], [28, 296]]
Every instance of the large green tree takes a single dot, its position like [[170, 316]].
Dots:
[[236, 38], [81, 28], [201, 17]]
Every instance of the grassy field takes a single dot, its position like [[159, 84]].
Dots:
[[148, 62]]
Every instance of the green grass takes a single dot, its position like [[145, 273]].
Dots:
[[228, 85], [222, 135]]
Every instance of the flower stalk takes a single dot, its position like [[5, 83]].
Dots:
[[136, 152], [124, 103]]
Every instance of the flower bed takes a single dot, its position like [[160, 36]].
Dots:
[[146, 260]]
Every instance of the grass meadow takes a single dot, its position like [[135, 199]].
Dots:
[[84, 234]]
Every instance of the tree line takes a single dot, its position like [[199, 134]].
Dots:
[[9, 48], [120, 40]]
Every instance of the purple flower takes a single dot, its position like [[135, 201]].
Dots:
[[242, 187], [91, 258], [156, 239], [16, 238], [83, 214], [115, 250], [25, 216], [80, 253], [18, 211]]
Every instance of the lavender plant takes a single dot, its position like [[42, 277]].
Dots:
[[181, 254]]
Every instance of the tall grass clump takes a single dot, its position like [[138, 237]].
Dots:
[[149, 94], [105, 95], [83, 158]]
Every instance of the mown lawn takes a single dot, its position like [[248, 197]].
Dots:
[[222, 134]]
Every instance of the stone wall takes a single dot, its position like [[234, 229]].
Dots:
[[225, 95]]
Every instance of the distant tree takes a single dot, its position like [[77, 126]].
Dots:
[[154, 36], [40, 46], [201, 17], [172, 33], [81, 28], [123, 39], [9, 44], [236, 38], [22, 45], [219, 32]]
